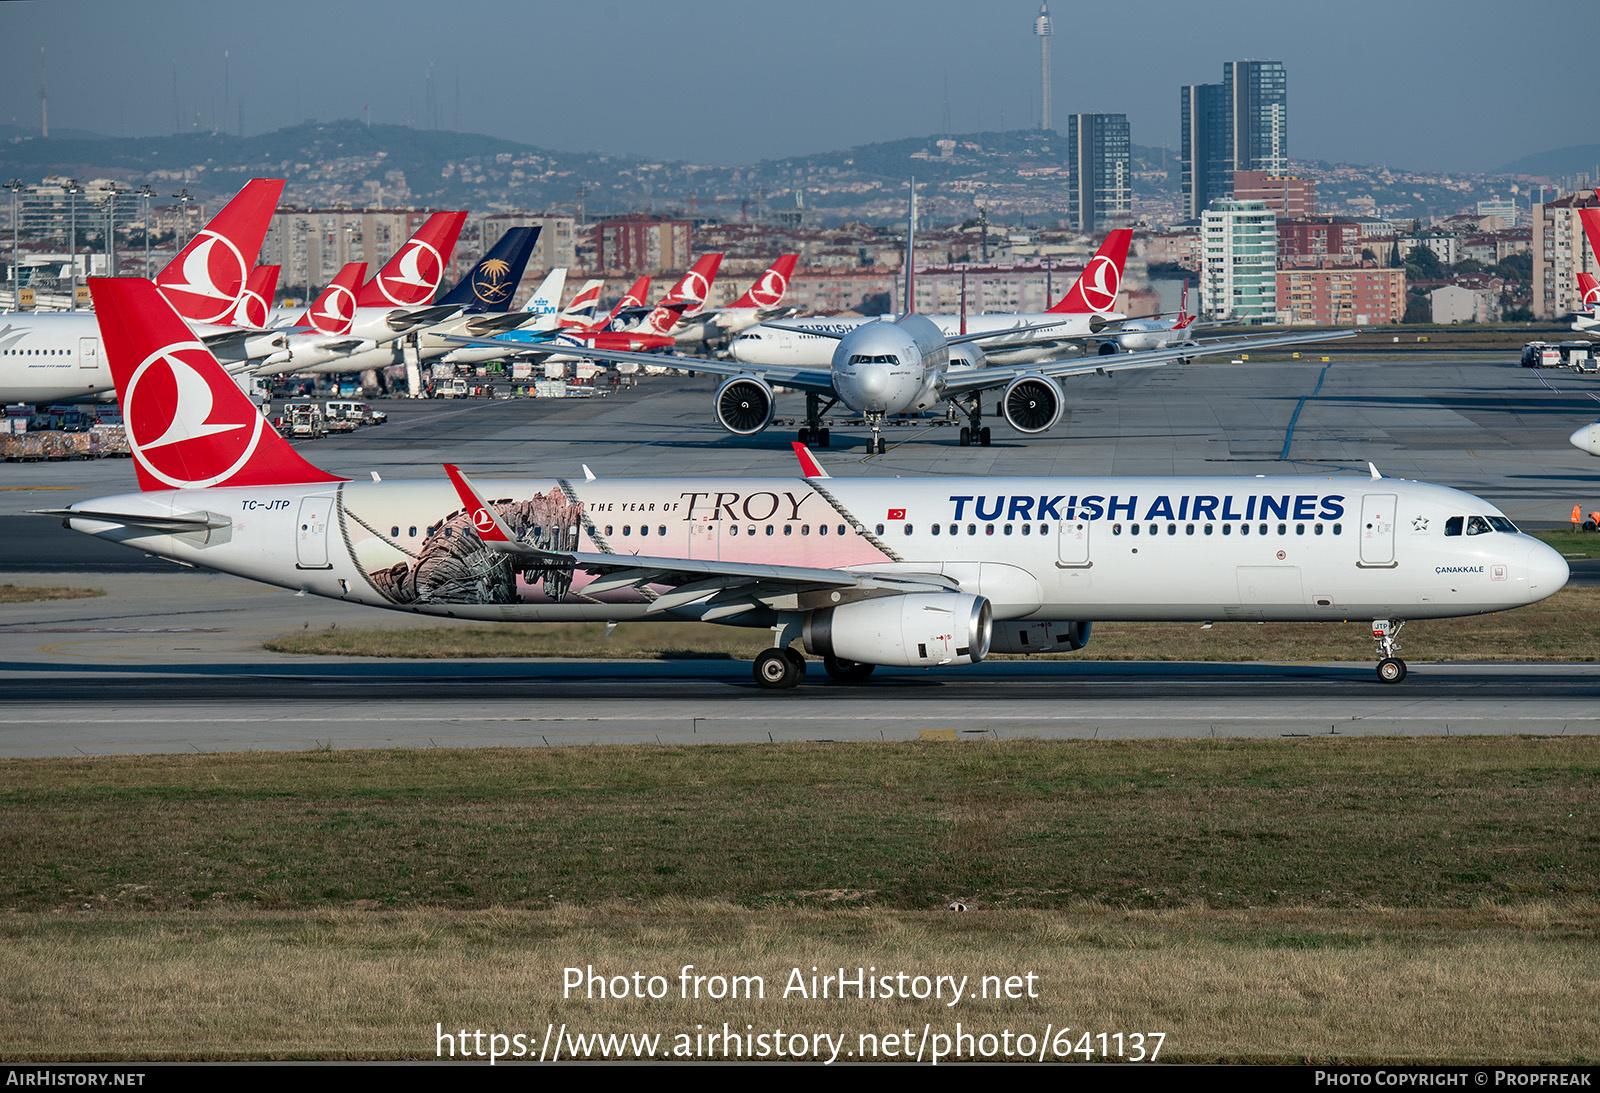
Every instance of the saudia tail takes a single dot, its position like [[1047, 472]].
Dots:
[[489, 285], [189, 425], [1095, 290]]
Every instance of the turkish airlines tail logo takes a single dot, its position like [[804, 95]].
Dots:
[[694, 287], [1591, 228], [255, 304], [412, 276], [189, 425], [1590, 289], [207, 278], [771, 287], [334, 311], [1095, 290]]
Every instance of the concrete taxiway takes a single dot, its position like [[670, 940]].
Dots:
[[171, 659]]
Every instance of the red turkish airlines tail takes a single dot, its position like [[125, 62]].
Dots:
[[255, 303], [694, 287], [204, 282], [1589, 290], [771, 287], [189, 425], [413, 275], [334, 311], [1095, 290]]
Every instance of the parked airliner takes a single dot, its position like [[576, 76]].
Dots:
[[862, 572]]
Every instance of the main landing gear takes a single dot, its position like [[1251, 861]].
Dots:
[[1391, 669], [779, 669], [975, 433], [813, 432]]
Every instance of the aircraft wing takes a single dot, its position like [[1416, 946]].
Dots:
[[979, 379], [732, 587], [819, 380]]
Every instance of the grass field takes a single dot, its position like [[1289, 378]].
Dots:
[[1328, 900], [23, 593]]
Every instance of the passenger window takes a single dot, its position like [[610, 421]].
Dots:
[[908, 529], [788, 529], [662, 530], [972, 529], [644, 529], [1116, 529], [1133, 529], [988, 529], [880, 530], [1227, 529], [822, 529], [1208, 529], [1008, 529], [394, 533], [734, 530], [1172, 529], [1244, 529], [627, 529], [769, 530], [935, 529]]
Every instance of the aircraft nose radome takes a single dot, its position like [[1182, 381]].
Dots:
[[872, 379], [1547, 570], [1587, 439]]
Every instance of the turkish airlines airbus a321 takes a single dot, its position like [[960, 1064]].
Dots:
[[863, 572]]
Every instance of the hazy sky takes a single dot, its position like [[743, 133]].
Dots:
[[1466, 85]]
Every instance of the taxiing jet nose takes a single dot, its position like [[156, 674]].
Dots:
[[1587, 439], [1547, 571], [872, 380]]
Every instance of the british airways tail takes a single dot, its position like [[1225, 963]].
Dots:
[[204, 282], [584, 306], [189, 425], [413, 275], [490, 284], [1095, 290]]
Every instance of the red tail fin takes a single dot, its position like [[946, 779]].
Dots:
[[204, 282], [189, 425], [634, 297], [694, 287], [334, 311], [1095, 290], [1590, 288], [255, 303], [1591, 228], [771, 287], [412, 276]]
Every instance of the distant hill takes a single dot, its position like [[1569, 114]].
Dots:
[[18, 132], [1580, 159]]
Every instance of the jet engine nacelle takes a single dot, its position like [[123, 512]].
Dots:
[[744, 405], [1032, 403], [1039, 636], [264, 345], [916, 630]]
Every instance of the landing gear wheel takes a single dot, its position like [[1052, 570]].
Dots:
[[776, 670], [883, 445], [1391, 670], [797, 661], [822, 438], [846, 671], [966, 437], [805, 436], [983, 436]]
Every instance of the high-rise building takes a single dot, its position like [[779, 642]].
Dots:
[[1258, 115], [1241, 124], [1239, 262], [1100, 176], [1560, 252], [1207, 170]]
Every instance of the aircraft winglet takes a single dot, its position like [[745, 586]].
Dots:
[[485, 521], [809, 467]]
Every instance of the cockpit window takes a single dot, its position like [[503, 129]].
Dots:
[[1479, 525]]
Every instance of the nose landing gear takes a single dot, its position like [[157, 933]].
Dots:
[[1391, 669]]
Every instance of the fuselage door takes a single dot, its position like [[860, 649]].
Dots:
[[1073, 544], [1377, 529], [311, 532], [88, 352]]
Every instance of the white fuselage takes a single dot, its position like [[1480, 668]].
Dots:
[[1293, 549], [769, 345], [56, 356]]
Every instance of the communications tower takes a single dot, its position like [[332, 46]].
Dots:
[[1043, 29]]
